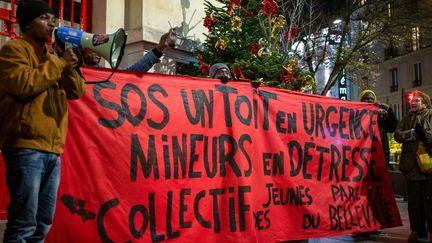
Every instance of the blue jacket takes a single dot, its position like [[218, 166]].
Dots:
[[145, 63]]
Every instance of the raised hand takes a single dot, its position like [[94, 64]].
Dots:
[[167, 40]]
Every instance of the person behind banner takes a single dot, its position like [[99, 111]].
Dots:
[[387, 120], [220, 71], [415, 128], [91, 58], [34, 88]]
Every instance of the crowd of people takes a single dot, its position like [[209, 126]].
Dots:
[[37, 82]]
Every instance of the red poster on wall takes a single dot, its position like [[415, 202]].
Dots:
[[153, 158]]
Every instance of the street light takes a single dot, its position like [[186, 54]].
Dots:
[[337, 21]]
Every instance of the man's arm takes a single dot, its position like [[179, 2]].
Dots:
[[146, 62], [73, 84], [389, 122], [152, 57], [404, 133]]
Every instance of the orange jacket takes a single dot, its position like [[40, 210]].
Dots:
[[34, 89]]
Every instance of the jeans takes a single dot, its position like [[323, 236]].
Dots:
[[32, 177]]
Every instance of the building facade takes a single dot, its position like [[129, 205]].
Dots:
[[144, 21], [400, 75], [405, 62]]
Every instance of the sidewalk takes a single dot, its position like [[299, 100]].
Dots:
[[393, 235]]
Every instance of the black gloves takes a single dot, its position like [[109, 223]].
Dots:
[[419, 130]]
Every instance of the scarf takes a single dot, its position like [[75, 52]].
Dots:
[[420, 116]]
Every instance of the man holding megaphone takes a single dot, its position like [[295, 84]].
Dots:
[[110, 46], [34, 88]]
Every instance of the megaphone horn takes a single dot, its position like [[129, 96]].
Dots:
[[109, 46]]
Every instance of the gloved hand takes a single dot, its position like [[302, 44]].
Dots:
[[428, 138], [409, 135], [419, 130]]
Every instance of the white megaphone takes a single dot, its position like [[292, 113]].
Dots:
[[109, 46]]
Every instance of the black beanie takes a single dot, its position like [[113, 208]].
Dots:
[[28, 10]]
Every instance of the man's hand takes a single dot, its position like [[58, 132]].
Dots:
[[382, 114], [382, 111], [71, 58], [382, 105], [167, 40]]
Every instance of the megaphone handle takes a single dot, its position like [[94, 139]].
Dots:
[[77, 52], [68, 45]]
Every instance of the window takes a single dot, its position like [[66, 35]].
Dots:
[[390, 10], [415, 38], [390, 51], [394, 79], [364, 83], [417, 75], [69, 12], [413, 6]]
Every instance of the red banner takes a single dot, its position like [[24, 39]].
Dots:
[[153, 158]]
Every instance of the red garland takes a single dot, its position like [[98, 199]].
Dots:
[[292, 34], [238, 73], [238, 3], [232, 4], [254, 48], [204, 67], [208, 22], [288, 76], [270, 7]]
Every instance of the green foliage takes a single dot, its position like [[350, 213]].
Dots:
[[251, 42]]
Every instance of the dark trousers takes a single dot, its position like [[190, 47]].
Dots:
[[420, 206]]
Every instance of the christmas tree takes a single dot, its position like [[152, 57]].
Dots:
[[253, 38]]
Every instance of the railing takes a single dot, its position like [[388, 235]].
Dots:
[[8, 17]]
